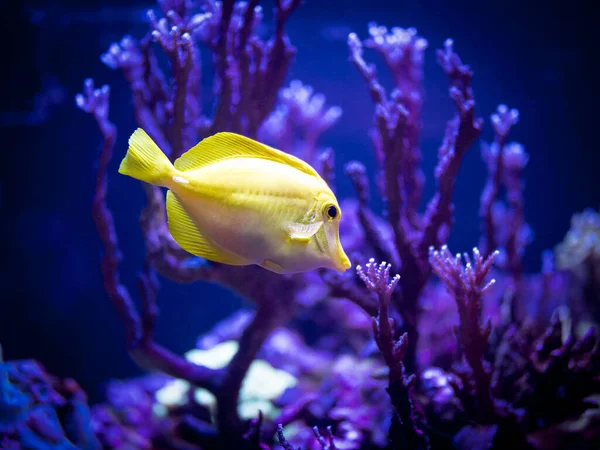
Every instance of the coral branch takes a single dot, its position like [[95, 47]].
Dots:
[[502, 122], [284, 10], [96, 102], [396, 142], [282, 440], [373, 234], [139, 66], [465, 283], [404, 432], [404, 53], [367, 71], [394, 151], [503, 226], [223, 71], [519, 233], [461, 132], [279, 54], [376, 279], [391, 118], [327, 167], [139, 330], [251, 16], [298, 122], [177, 44], [325, 445]]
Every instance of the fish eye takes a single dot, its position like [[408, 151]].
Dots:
[[332, 211]]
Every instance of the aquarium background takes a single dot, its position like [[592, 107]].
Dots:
[[537, 58]]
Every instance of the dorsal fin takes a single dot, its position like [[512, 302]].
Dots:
[[226, 145]]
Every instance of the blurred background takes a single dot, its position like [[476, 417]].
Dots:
[[53, 306]]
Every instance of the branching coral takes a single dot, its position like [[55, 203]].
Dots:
[[297, 124], [395, 138], [467, 286], [527, 374], [503, 224], [403, 432]]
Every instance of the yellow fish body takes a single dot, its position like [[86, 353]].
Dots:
[[236, 201]]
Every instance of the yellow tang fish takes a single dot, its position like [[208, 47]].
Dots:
[[236, 201]]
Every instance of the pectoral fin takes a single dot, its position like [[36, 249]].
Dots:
[[303, 232], [186, 234]]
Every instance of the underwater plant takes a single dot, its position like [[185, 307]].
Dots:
[[455, 351]]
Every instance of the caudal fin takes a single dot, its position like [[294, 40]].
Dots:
[[145, 161]]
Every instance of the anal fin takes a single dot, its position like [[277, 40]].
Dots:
[[186, 234], [272, 266]]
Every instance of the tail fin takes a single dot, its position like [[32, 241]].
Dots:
[[144, 160]]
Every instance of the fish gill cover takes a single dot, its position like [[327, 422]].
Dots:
[[416, 348]]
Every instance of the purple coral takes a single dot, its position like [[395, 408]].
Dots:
[[559, 377], [376, 277], [395, 138], [467, 284], [298, 122], [403, 431]]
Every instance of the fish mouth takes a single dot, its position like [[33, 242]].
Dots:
[[343, 264]]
